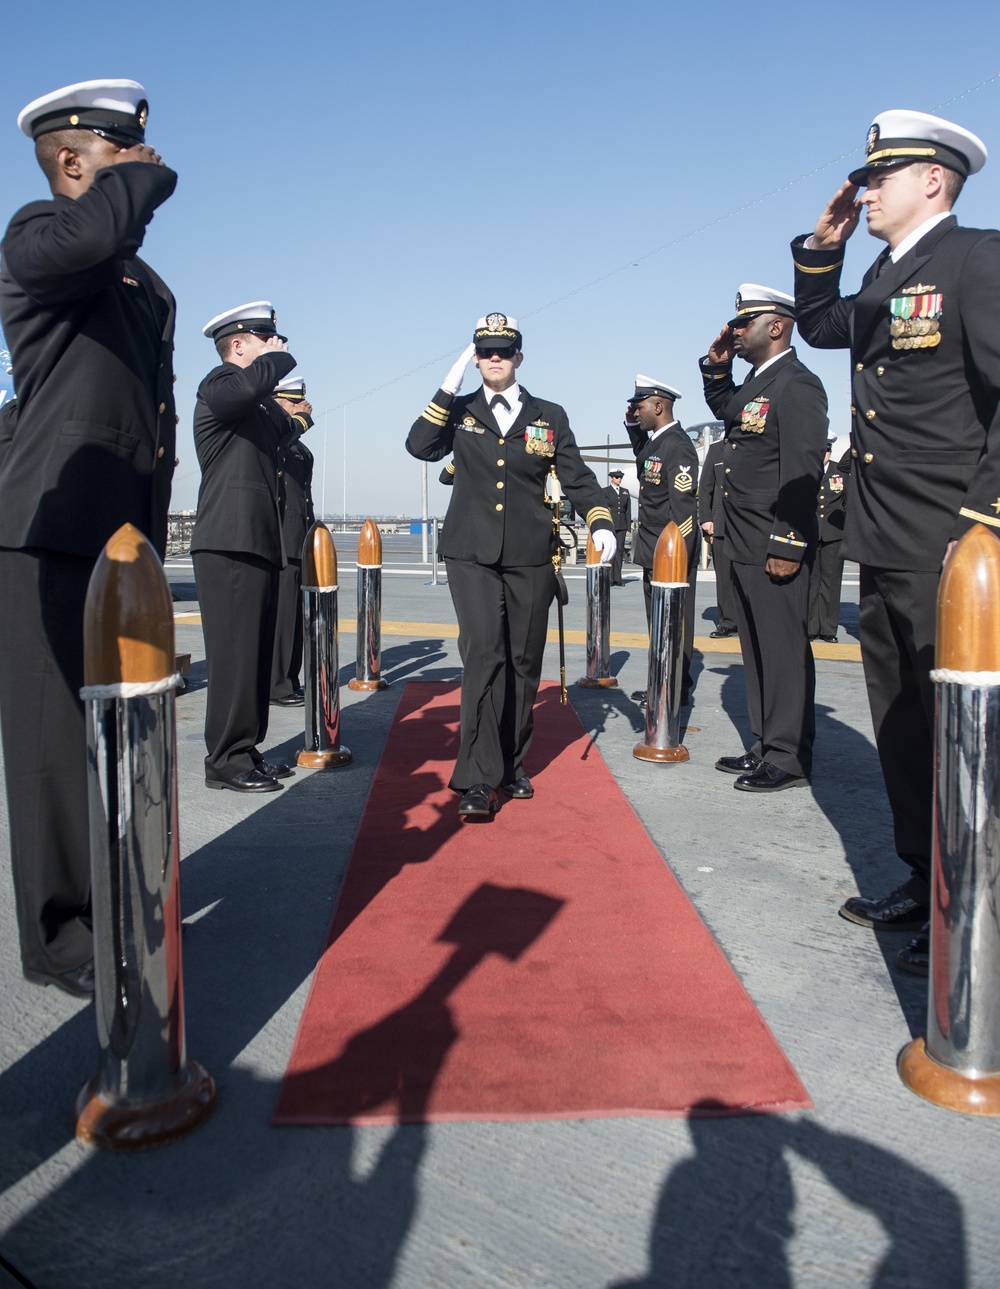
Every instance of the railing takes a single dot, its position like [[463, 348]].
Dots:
[[179, 529]]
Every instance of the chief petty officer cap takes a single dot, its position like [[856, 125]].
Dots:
[[256, 318], [899, 137], [292, 388], [752, 299], [116, 110], [647, 387], [497, 331]]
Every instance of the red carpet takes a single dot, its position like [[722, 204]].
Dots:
[[545, 965]]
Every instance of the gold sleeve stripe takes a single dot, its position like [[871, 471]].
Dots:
[[824, 268], [435, 414], [992, 520], [597, 512], [686, 528], [450, 467], [301, 420], [720, 375], [786, 541]]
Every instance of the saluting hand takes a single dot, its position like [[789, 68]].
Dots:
[[305, 407], [452, 383], [722, 349], [139, 152], [838, 220], [273, 344]]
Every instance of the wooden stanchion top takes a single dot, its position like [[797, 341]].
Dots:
[[968, 605], [319, 557], [128, 616], [593, 554], [670, 560], [370, 544]]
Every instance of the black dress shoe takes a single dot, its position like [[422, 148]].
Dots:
[[245, 781], [520, 789], [768, 778], [296, 699], [478, 802], [720, 633], [827, 639], [916, 957], [894, 912], [280, 771], [745, 764], [638, 696], [78, 983]]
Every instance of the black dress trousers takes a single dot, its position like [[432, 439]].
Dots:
[[723, 584], [503, 618], [45, 753], [238, 595], [897, 614], [778, 667], [824, 590], [287, 662]]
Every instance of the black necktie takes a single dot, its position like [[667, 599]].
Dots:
[[499, 400]]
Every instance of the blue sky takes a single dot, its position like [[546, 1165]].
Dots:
[[388, 174]]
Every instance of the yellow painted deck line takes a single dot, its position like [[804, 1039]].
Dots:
[[619, 639]]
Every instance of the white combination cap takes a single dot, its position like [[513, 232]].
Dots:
[[257, 318], [116, 110], [292, 387], [899, 137], [647, 387], [752, 299], [497, 331]]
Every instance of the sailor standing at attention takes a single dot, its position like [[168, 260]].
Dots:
[[925, 373], [90, 328], [497, 544]]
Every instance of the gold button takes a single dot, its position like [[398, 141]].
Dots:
[[177, 462], [859, 366], [870, 414], [500, 461], [853, 410], [727, 470], [868, 458], [279, 474], [177, 420], [499, 507], [725, 494], [159, 452], [163, 408], [879, 371], [854, 453], [500, 485]]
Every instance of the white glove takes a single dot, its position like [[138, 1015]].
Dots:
[[606, 542], [452, 383]]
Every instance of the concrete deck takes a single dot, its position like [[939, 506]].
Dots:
[[873, 1188]]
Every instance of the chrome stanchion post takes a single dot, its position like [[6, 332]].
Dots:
[[320, 654], [598, 622], [147, 1092], [433, 523], [369, 646], [958, 1064], [666, 651]]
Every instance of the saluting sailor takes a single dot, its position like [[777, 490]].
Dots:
[[497, 544], [295, 470], [772, 462], [238, 546], [90, 328], [925, 358], [667, 465]]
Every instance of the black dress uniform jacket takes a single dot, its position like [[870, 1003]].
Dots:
[[238, 429], [296, 471], [710, 490], [90, 330], [668, 490], [832, 495], [925, 424], [516, 528], [772, 461], [619, 503]]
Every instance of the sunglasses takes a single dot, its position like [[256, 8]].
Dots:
[[494, 353]]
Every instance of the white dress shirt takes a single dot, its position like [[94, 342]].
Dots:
[[504, 418]]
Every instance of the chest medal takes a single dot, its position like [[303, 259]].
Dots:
[[651, 470], [753, 418], [539, 439], [469, 423], [916, 320]]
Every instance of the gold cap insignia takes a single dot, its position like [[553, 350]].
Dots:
[[496, 322], [871, 141], [739, 301], [143, 116]]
